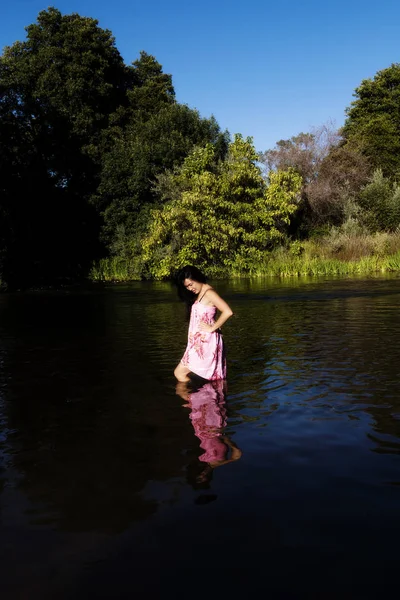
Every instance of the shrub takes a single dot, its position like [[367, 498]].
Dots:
[[380, 200]]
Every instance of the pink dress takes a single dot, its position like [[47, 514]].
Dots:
[[208, 417], [205, 354]]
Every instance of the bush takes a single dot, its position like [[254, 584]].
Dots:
[[380, 200]]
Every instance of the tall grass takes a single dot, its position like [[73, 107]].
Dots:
[[111, 269], [353, 245], [342, 252], [324, 266], [286, 266]]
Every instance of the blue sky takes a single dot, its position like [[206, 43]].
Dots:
[[264, 69]]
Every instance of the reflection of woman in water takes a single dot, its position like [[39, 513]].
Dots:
[[204, 355], [208, 416]]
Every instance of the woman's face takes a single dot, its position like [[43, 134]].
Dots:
[[192, 286]]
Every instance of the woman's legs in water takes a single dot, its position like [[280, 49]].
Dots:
[[181, 373]]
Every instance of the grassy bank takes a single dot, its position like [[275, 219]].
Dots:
[[336, 254]]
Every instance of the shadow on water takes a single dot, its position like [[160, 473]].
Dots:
[[114, 481]]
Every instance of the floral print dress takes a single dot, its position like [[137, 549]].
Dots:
[[205, 353]]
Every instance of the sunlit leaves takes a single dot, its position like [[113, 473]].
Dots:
[[224, 212], [373, 122]]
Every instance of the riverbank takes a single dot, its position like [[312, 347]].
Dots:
[[339, 254], [280, 263]]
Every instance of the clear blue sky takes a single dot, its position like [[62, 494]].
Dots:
[[264, 69]]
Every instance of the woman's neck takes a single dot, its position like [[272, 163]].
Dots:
[[202, 291]]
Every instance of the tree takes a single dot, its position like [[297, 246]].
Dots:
[[372, 126], [307, 153], [333, 175], [303, 152], [341, 176], [150, 142], [380, 201], [57, 90], [218, 214], [152, 89]]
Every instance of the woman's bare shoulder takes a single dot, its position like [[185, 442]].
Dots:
[[211, 296], [207, 295]]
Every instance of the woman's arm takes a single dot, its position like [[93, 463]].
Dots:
[[222, 306]]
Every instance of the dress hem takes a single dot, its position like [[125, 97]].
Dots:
[[198, 374]]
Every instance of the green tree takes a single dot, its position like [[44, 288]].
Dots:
[[372, 126], [218, 214], [57, 90], [380, 201], [152, 89], [150, 142]]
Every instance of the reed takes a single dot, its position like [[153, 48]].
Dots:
[[110, 269], [364, 254]]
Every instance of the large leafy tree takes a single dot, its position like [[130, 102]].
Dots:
[[151, 134], [218, 214], [57, 90], [82, 140], [373, 120], [142, 151]]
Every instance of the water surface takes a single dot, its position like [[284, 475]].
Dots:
[[287, 481]]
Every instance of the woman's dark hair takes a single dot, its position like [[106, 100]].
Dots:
[[188, 272]]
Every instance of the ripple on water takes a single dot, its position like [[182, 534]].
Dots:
[[96, 442]]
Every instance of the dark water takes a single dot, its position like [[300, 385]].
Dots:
[[105, 486]]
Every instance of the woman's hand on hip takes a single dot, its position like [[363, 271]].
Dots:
[[206, 327]]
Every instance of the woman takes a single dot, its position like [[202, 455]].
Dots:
[[204, 355]]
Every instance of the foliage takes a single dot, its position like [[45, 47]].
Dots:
[[221, 213], [380, 200], [342, 173], [152, 88], [317, 266], [351, 242], [373, 120], [82, 138], [111, 269], [303, 152], [57, 90], [149, 144], [95, 152], [285, 263], [315, 156]]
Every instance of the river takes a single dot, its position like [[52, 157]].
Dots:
[[106, 488]]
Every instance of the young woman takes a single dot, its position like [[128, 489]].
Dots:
[[204, 355]]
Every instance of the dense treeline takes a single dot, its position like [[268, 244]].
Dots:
[[99, 164], [82, 139]]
